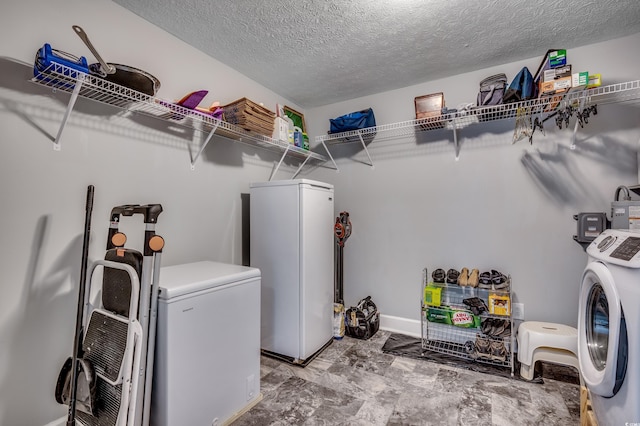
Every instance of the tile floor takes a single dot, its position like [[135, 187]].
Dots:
[[353, 382]]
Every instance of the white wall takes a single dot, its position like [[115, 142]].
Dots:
[[129, 160], [500, 206]]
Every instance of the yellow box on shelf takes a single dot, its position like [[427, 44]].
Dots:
[[432, 295], [595, 80], [499, 304]]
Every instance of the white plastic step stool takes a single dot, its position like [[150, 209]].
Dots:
[[545, 341]]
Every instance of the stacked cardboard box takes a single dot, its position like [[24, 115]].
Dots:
[[555, 80], [250, 116]]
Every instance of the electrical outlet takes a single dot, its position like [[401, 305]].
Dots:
[[518, 311]]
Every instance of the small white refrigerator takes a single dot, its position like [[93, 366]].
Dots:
[[207, 357], [291, 242]]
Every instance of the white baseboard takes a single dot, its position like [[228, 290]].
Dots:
[[60, 422], [409, 327]]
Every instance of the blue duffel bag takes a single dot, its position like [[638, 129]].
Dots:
[[353, 121], [522, 88]]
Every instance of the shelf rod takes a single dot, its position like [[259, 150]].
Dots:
[[203, 146], [455, 139], [365, 149], [70, 105], [330, 156], [284, 154], [575, 126], [301, 166]]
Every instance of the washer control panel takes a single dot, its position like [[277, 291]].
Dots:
[[627, 249], [606, 242], [618, 246]]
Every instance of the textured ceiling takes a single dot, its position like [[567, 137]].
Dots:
[[317, 52]]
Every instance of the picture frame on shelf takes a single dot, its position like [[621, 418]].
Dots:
[[296, 117]]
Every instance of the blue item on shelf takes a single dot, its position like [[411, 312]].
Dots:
[[45, 59], [353, 121]]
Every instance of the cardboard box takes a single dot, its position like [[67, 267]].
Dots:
[[595, 80], [554, 58], [441, 315], [557, 58], [464, 319], [556, 73], [579, 81], [555, 86], [432, 295], [499, 304]]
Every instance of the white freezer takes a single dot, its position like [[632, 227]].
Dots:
[[207, 360], [292, 240]]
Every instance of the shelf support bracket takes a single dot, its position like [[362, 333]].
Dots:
[[331, 157], [284, 154], [301, 166], [203, 146], [365, 149], [70, 105]]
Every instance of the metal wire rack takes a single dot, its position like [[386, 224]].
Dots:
[[616, 93], [61, 77], [449, 327]]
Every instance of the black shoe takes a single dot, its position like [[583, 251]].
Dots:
[[484, 281], [476, 305], [499, 327], [483, 347], [438, 276], [499, 280], [507, 330], [498, 351], [452, 276], [470, 348], [487, 325]]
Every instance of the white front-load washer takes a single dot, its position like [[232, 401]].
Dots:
[[609, 327]]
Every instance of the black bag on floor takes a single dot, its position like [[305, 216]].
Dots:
[[362, 321]]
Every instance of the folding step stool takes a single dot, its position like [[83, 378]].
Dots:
[[120, 333]]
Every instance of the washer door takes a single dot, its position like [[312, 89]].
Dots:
[[599, 322]]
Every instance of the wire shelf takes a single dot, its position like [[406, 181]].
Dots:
[[60, 77], [615, 93], [460, 350], [452, 327]]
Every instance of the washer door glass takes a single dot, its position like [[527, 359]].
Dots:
[[600, 322], [597, 326]]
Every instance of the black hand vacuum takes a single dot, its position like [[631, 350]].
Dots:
[[342, 231]]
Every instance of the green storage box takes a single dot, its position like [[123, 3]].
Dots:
[[465, 319], [441, 315]]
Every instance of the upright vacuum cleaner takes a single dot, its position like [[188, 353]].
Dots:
[[342, 231], [119, 339]]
